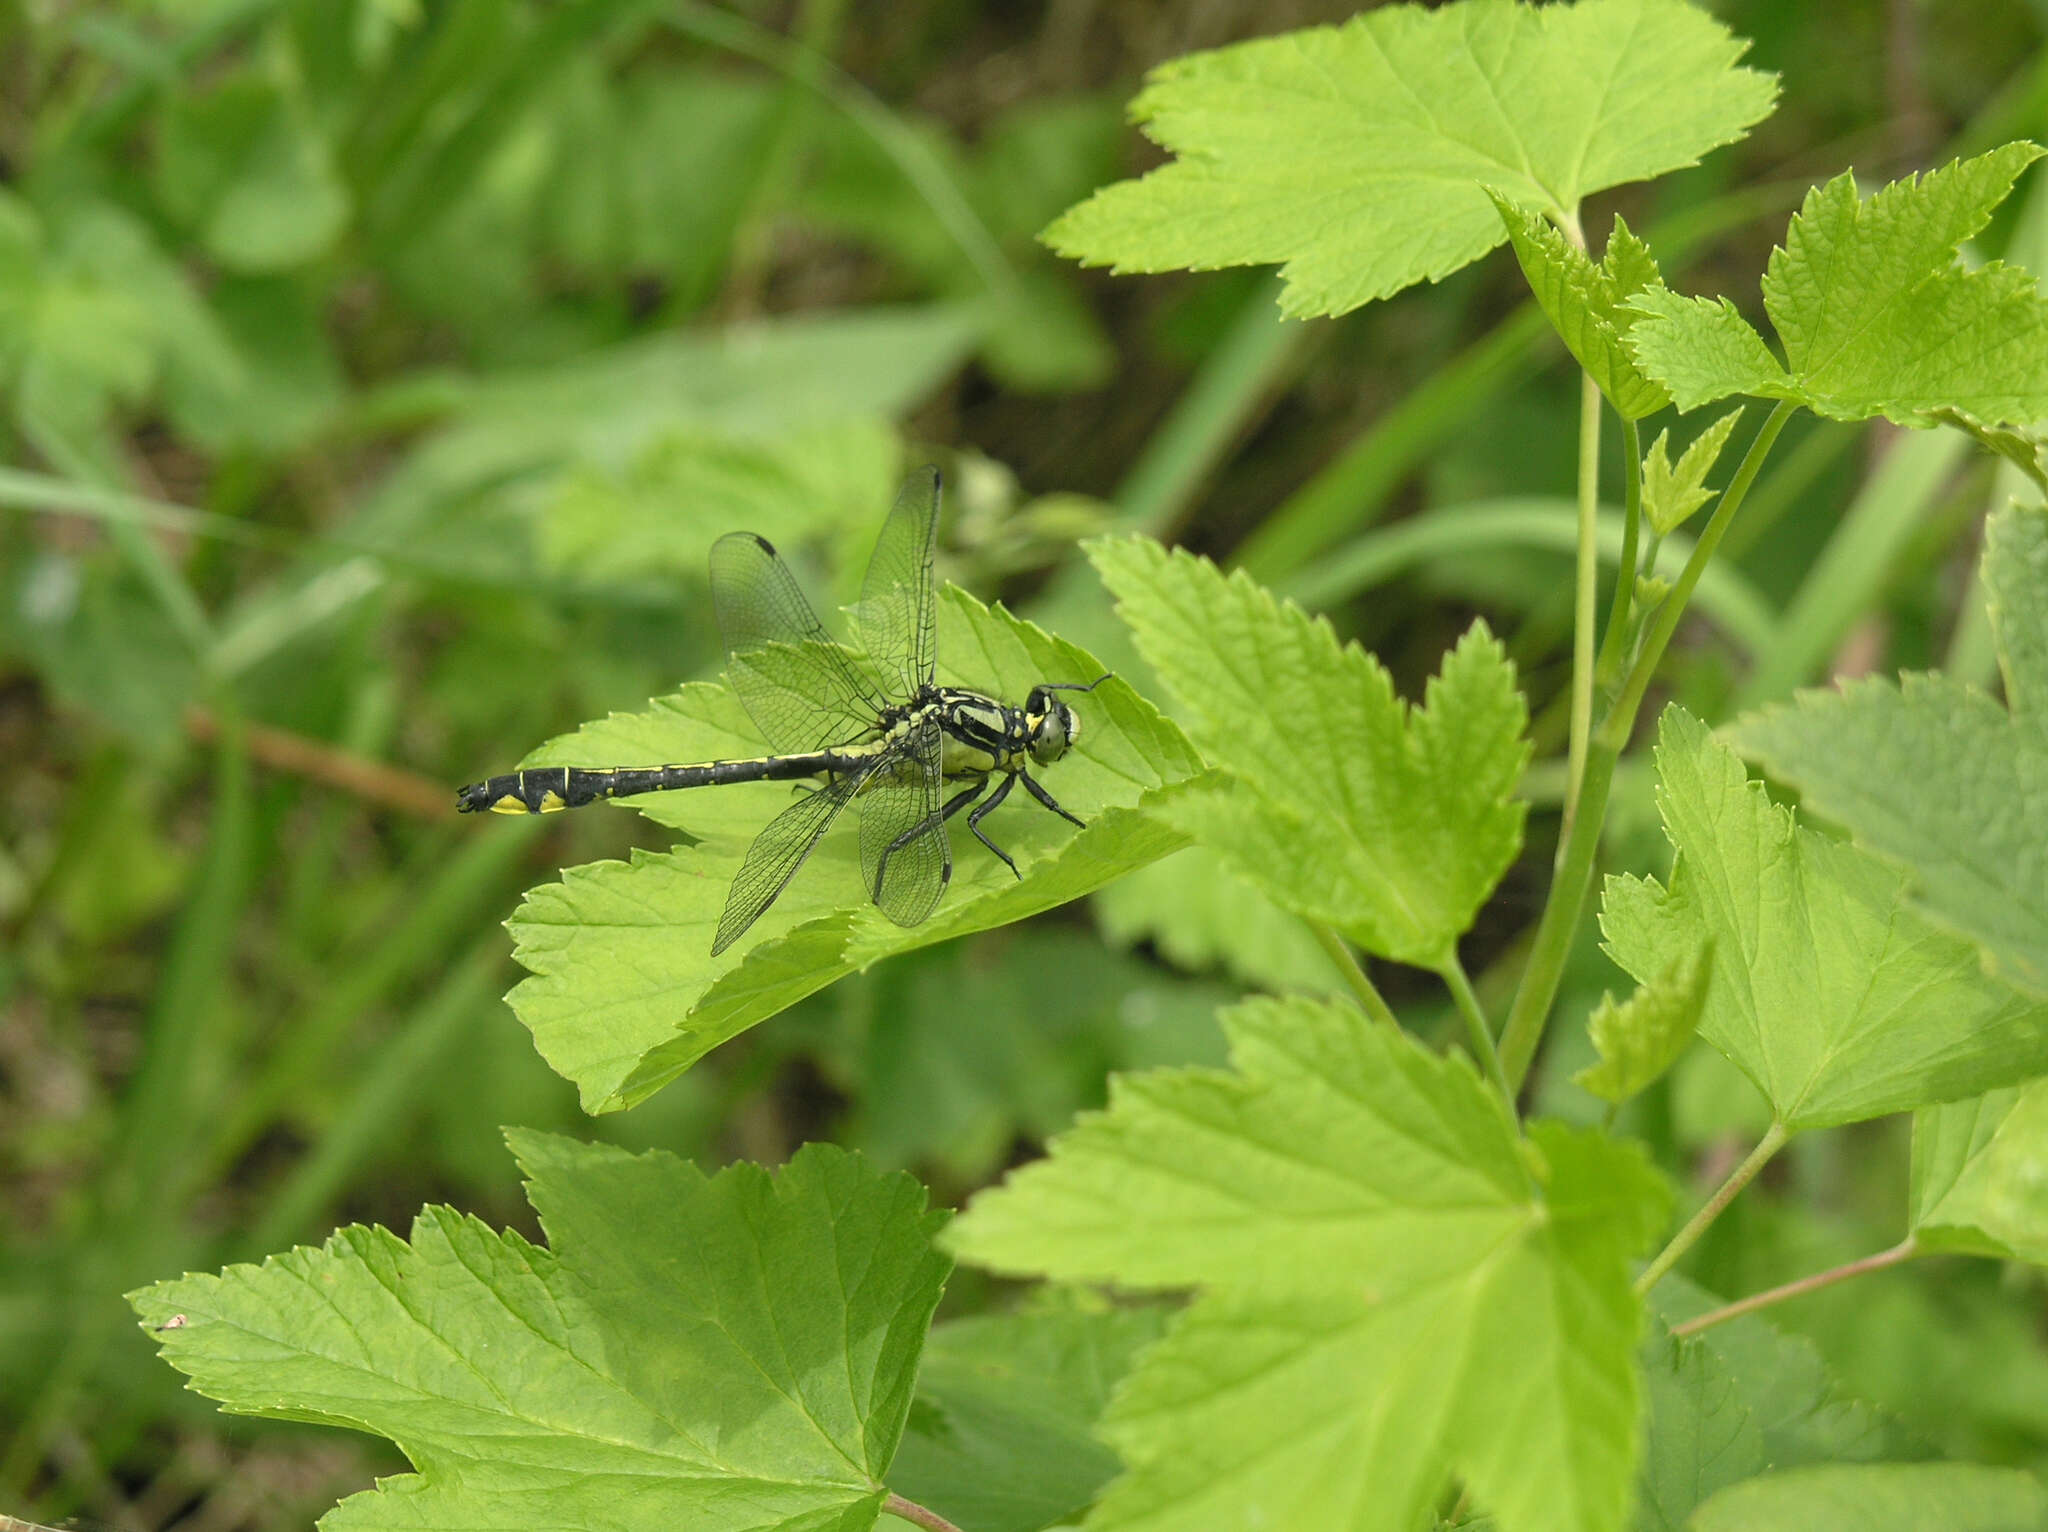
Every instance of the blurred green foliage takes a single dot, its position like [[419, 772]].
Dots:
[[373, 375]]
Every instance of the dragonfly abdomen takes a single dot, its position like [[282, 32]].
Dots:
[[545, 789]]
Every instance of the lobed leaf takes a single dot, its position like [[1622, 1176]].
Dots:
[[1390, 822], [1829, 992], [1378, 1250], [1875, 314], [1585, 301], [1671, 495], [1937, 775], [635, 1372], [1358, 156], [624, 994]]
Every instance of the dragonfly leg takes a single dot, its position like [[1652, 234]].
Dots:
[[974, 822], [954, 805], [1031, 786]]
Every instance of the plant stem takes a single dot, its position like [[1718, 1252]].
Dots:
[[1622, 715], [1685, 1238], [1903, 1251], [910, 1510], [1454, 977], [1586, 602], [1609, 663], [1369, 999], [1560, 922]]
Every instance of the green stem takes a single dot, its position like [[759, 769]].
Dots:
[[1623, 714], [1476, 1028], [1586, 593], [911, 1511], [1687, 1237], [1625, 574], [1560, 922], [1369, 999], [1903, 1251]]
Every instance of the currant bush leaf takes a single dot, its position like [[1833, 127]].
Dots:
[[1937, 775], [1881, 1497], [1670, 495], [634, 1372], [1734, 1400], [1377, 1248], [1980, 1175], [1875, 314], [1829, 992], [625, 995], [1643, 1036], [1357, 156], [1389, 822], [1701, 349], [1584, 301], [1001, 1438]]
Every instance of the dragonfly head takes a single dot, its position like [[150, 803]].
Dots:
[[1052, 724]]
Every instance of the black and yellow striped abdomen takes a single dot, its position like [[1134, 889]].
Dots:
[[544, 789]]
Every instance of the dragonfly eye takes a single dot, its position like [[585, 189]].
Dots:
[[1054, 728]]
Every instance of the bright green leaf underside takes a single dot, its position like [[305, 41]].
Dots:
[[625, 994], [1829, 991], [1980, 1175], [1377, 1250], [634, 1373], [1937, 775], [1388, 822], [1357, 156]]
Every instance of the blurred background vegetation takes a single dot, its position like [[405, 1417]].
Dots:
[[376, 374]]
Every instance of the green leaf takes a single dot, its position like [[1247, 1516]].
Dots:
[[1390, 822], [1378, 1248], [1881, 1497], [1001, 1436], [625, 995], [1359, 155], [1980, 1175], [1199, 914], [1875, 314], [1641, 1038], [2025, 447], [1829, 992], [1937, 775], [929, 1088], [1585, 301], [243, 166], [1701, 349], [635, 1372], [1734, 1400], [661, 512], [1670, 495]]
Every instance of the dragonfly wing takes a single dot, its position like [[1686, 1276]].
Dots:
[[777, 852], [904, 853], [800, 686], [895, 615]]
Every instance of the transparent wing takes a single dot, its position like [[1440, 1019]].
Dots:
[[798, 684], [904, 854], [777, 852], [895, 611]]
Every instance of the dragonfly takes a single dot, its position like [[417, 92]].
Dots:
[[877, 731]]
